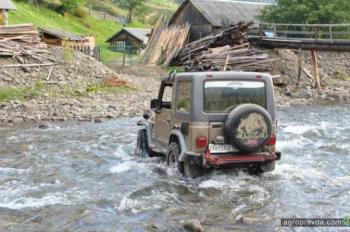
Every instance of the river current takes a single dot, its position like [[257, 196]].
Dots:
[[85, 177]]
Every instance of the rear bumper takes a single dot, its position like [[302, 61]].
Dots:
[[210, 160]]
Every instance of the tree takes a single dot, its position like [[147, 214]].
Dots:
[[307, 11], [131, 6]]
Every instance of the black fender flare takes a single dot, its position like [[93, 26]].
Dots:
[[148, 127]]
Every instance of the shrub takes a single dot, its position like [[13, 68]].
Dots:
[[80, 12]]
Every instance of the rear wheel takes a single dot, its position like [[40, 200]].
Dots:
[[268, 166], [172, 157], [193, 170], [142, 148], [261, 168]]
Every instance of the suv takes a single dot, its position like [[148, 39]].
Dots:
[[207, 120]]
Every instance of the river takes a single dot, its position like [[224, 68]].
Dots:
[[84, 177]]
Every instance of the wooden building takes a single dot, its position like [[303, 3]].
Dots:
[[130, 38], [55, 37], [5, 6], [204, 16]]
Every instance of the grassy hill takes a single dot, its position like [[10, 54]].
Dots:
[[102, 29]]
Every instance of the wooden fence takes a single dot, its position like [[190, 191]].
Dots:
[[330, 32], [103, 15]]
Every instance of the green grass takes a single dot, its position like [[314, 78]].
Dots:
[[44, 17], [7, 94], [101, 29], [104, 88], [169, 69]]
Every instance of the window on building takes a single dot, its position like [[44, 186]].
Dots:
[[120, 44]]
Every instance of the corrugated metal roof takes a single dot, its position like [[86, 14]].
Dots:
[[139, 33], [224, 12], [62, 34], [7, 5]]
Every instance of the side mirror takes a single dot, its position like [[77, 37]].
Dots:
[[154, 104]]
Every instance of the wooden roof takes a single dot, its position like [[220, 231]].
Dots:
[[224, 12], [7, 5], [139, 33], [62, 34]]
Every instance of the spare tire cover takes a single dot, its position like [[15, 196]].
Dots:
[[249, 127]]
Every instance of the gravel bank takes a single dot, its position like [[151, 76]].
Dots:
[[77, 91]]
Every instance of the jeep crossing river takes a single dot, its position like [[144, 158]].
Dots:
[[207, 120]]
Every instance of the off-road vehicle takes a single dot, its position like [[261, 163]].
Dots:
[[207, 120]]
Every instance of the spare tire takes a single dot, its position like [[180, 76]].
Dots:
[[249, 127]]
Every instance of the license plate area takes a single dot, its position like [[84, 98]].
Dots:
[[222, 148]]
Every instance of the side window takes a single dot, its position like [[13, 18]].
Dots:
[[184, 96], [166, 99]]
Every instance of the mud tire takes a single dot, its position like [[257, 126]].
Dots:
[[268, 166], [173, 155], [193, 170]]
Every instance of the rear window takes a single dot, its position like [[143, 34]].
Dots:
[[221, 96]]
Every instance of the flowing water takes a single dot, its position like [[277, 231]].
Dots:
[[84, 177]]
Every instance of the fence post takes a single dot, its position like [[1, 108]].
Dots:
[[124, 53], [330, 33], [275, 30]]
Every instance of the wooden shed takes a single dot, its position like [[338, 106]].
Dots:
[[56, 37], [204, 16], [132, 38], [5, 6]]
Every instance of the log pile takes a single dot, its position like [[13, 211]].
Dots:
[[226, 49], [21, 40], [165, 43]]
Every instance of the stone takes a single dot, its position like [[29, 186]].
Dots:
[[251, 218], [305, 93], [193, 225], [98, 120], [43, 126]]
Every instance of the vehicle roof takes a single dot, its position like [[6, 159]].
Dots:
[[224, 75]]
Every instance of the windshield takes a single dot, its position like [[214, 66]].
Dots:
[[221, 96]]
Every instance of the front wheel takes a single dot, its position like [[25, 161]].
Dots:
[[142, 148]]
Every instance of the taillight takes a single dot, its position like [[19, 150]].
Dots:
[[201, 142], [272, 140]]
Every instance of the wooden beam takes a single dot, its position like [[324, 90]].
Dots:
[[315, 72], [300, 68], [226, 63], [25, 65]]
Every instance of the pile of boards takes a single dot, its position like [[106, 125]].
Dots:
[[226, 49], [165, 43], [21, 40]]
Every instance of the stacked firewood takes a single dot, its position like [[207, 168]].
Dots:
[[226, 49], [21, 40], [165, 43]]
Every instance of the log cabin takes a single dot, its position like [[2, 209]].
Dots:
[[205, 16], [133, 39]]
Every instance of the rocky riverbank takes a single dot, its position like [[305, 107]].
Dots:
[[334, 72], [82, 90], [85, 90]]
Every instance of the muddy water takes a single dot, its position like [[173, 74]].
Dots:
[[84, 177]]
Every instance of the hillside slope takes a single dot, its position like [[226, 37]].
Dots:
[[102, 29]]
